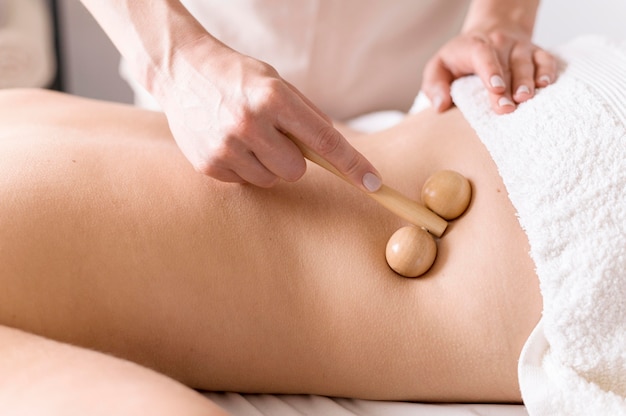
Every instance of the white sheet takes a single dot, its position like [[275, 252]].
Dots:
[[296, 405]]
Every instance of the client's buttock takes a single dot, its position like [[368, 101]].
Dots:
[[111, 241]]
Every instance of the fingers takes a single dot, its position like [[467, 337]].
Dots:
[[436, 84], [286, 110], [267, 165], [546, 67], [258, 152], [234, 162], [326, 141], [253, 153], [322, 138], [535, 68], [510, 67], [490, 61], [309, 103], [522, 74], [525, 68], [279, 156]]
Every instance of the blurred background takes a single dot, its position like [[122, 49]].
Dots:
[[83, 61]]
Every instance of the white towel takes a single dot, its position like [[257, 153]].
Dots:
[[562, 156]]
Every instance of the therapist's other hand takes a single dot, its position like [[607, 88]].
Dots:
[[230, 115], [510, 66]]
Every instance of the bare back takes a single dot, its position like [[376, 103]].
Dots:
[[110, 240]]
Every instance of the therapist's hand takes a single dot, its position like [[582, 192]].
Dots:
[[230, 115], [499, 51]]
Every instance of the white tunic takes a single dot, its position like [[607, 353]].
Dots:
[[349, 57]]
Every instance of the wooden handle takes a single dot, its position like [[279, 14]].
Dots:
[[389, 198]]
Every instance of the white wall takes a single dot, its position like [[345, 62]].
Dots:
[[559, 21], [90, 60]]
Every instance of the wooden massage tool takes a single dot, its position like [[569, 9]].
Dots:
[[411, 250]]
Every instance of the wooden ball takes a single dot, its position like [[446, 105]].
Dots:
[[411, 251], [447, 193]]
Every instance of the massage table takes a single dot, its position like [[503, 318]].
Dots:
[[297, 405]]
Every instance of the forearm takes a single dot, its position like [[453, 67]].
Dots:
[[149, 33], [493, 13]]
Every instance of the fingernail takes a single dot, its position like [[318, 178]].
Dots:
[[371, 182], [545, 79], [503, 101], [437, 100], [496, 81], [522, 89]]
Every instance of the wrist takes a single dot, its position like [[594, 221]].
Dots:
[[491, 15], [156, 61], [148, 34]]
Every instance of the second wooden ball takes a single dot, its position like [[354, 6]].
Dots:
[[447, 193], [411, 251]]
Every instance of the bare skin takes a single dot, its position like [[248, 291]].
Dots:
[[44, 377], [111, 241]]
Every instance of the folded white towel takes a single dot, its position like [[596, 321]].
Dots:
[[562, 156]]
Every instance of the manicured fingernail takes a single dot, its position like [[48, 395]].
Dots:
[[496, 81], [545, 79], [503, 101], [437, 100], [371, 182], [522, 89]]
